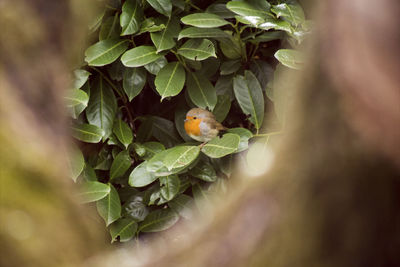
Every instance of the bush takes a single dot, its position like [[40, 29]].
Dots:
[[152, 61]]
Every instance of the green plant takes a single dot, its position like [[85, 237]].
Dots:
[[150, 62]]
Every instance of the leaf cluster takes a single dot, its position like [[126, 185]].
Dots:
[[148, 64]]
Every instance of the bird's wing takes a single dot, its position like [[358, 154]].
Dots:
[[215, 124]]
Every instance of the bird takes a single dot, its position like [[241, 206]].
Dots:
[[201, 125]]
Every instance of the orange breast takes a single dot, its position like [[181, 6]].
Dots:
[[192, 127]]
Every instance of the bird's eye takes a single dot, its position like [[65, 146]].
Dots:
[[194, 118]]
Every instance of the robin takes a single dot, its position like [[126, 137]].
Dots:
[[201, 125]]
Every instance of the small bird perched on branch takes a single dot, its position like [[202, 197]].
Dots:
[[201, 125]]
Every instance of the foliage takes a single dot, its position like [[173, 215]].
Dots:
[[150, 62]]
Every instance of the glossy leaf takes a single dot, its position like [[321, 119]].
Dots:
[[222, 107], [148, 150], [197, 49], [80, 78], [165, 132], [102, 106], [110, 29], [77, 101], [250, 97], [159, 220], [120, 165], [229, 67], [220, 10], [201, 91], [87, 133], [165, 39], [244, 134], [76, 163], [135, 207], [219, 147], [194, 32], [246, 9], [204, 171], [109, 207], [230, 47], [170, 80], [140, 177], [170, 186], [140, 56], [180, 156], [124, 228], [183, 205], [155, 66], [133, 81], [263, 71], [150, 25], [290, 58], [290, 12], [161, 6], [131, 17], [180, 116], [204, 20], [105, 52], [88, 174], [93, 191], [267, 37], [123, 132]]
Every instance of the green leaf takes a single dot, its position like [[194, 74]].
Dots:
[[159, 220], [145, 131], [204, 171], [88, 174], [246, 9], [170, 80], [80, 78], [230, 47], [244, 134], [201, 91], [290, 58], [105, 52], [134, 81], [155, 66], [87, 133], [123, 132], [220, 10], [230, 66], [267, 37], [180, 156], [93, 191], [183, 205], [250, 97], [77, 100], [290, 12], [264, 73], [124, 228], [140, 56], [194, 32], [150, 25], [110, 29], [148, 150], [224, 86], [76, 163], [161, 6], [197, 49], [140, 177], [76, 97], [120, 165], [131, 17], [135, 208], [222, 107], [204, 20], [219, 147], [164, 40], [165, 132], [170, 186], [109, 207], [102, 106]]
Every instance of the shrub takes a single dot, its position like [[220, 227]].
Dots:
[[151, 61]]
